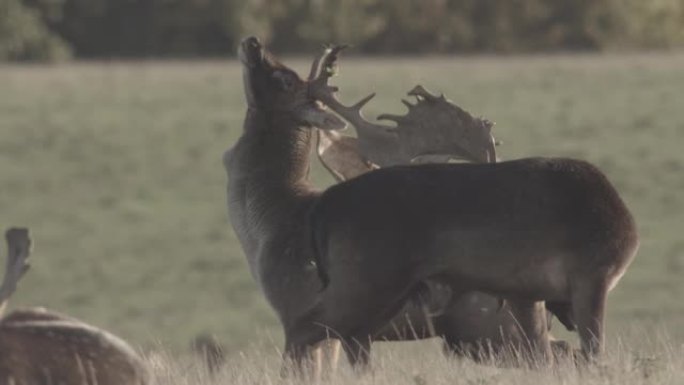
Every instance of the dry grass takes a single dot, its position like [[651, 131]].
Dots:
[[635, 360]]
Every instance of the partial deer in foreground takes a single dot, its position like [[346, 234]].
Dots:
[[42, 347], [345, 261]]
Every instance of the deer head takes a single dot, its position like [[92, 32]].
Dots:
[[272, 87]]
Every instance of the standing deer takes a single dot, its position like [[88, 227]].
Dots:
[[41, 347], [345, 261], [475, 324]]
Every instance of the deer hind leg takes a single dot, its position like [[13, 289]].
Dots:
[[588, 305]]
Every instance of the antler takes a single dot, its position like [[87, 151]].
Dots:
[[433, 127], [18, 250], [341, 155], [375, 140]]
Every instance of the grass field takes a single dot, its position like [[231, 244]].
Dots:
[[655, 362], [116, 169]]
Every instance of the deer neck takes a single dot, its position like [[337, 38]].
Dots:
[[268, 169], [273, 150]]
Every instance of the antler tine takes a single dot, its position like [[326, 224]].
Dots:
[[321, 90], [18, 249], [420, 92], [329, 60], [314, 72]]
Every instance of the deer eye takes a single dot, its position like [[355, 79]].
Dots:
[[286, 80]]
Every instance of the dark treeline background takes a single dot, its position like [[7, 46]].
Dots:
[[43, 30]]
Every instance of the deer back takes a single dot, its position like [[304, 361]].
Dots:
[[42, 347]]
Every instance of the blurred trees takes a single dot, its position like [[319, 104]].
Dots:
[[154, 28], [24, 36], [142, 28]]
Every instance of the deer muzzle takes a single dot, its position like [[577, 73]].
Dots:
[[251, 52]]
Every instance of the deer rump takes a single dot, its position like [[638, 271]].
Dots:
[[521, 228]]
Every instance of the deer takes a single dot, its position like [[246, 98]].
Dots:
[[475, 325], [345, 260], [38, 346], [412, 323]]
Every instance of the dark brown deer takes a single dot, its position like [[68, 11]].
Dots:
[[344, 262], [43, 347], [475, 324]]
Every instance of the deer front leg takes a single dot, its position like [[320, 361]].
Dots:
[[307, 343], [535, 345], [328, 354], [302, 355], [358, 352], [299, 360], [325, 357]]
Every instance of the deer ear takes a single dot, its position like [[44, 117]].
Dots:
[[318, 117]]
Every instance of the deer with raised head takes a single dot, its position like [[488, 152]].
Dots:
[[275, 127], [345, 261], [42, 347]]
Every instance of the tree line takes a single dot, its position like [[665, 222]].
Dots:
[[59, 29]]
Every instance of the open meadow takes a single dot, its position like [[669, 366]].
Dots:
[[116, 168]]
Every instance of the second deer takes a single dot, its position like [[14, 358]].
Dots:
[[38, 346]]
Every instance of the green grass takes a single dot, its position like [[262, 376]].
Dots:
[[116, 169]]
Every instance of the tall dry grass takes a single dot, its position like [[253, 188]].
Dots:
[[644, 357]]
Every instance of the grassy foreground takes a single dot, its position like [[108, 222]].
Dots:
[[116, 169], [654, 362]]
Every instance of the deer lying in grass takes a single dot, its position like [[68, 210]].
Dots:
[[42, 347], [344, 262]]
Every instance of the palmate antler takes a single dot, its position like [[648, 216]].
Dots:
[[434, 129]]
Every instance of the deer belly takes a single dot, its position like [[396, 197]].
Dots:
[[499, 264]]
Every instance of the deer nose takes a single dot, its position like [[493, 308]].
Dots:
[[250, 51], [251, 42]]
